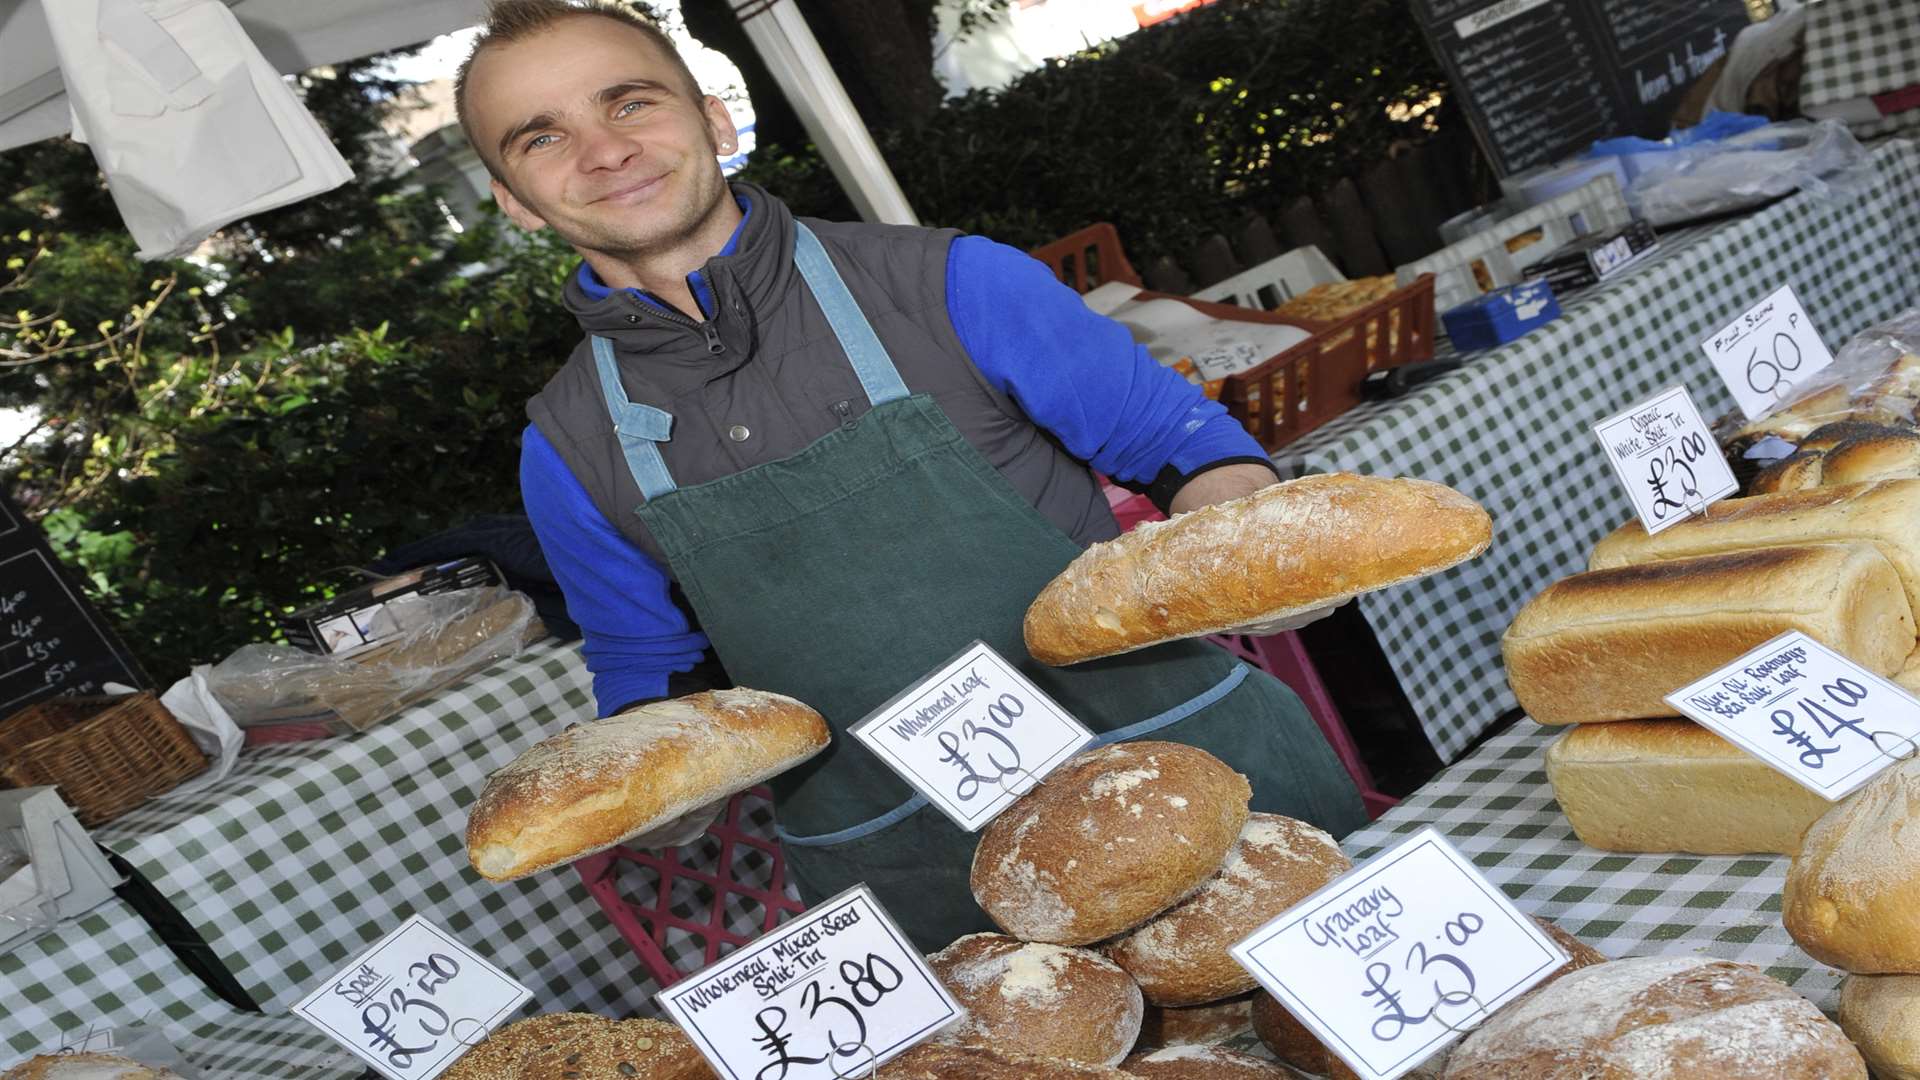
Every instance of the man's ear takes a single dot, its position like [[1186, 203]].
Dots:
[[515, 210], [726, 139]]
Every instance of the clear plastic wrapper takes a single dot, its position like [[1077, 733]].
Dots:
[[1724, 175], [24, 906], [442, 638]]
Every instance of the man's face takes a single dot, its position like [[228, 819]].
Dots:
[[596, 135]]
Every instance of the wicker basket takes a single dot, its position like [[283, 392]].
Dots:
[[107, 755]]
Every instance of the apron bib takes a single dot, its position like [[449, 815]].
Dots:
[[844, 573]]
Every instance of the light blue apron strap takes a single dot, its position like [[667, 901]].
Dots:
[[1148, 726], [641, 427], [875, 369]]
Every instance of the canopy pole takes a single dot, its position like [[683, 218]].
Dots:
[[780, 35]]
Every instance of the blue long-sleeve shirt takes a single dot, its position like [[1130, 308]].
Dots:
[[1106, 400]]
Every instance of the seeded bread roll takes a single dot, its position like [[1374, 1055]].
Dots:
[[1196, 1025], [1044, 1000], [599, 783], [498, 1056], [1672, 785], [1880, 513], [1610, 644], [1114, 837], [1894, 456], [1795, 472], [1203, 1063], [942, 1061], [626, 1050], [1671, 1017], [1283, 550], [1881, 1014], [1180, 957], [1852, 897]]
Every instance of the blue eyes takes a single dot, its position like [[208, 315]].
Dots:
[[627, 108]]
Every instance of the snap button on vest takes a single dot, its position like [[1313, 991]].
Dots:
[[738, 433]]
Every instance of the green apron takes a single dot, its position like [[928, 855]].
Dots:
[[843, 574]]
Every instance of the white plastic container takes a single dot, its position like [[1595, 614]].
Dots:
[[1274, 282], [1596, 206]]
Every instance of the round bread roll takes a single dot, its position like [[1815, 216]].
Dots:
[[1203, 1063], [1878, 457], [1195, 1025], [498, 1056], [631, 1049], [943, 1061], [1849, 899], [1668, 1017], [1114, 837], [86, 1066], [1044, 1000], [1798, 470], [1881, 1014], [1180, 957]]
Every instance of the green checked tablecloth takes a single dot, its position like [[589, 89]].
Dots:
[[1512, 428], [309, 852], [1862, 48], [1495, 806]]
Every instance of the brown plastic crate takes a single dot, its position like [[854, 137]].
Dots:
[[1088, 259], [107, 755]]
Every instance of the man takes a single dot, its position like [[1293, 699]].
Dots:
[[835, 454]]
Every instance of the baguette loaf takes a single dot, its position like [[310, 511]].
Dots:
[[1283, 550], [592, 786], [1881, 1014], [1672, 785], [1850, 895], [1609, 644], [1042, 1000], [1881, 513]]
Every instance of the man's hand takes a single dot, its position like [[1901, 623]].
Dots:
[[1232, 482]]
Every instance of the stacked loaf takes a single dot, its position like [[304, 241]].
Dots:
[[1120, 884], [1602, 649]]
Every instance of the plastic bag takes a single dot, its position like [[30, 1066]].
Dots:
[[1747, 169], [23, 905], [443, 638]]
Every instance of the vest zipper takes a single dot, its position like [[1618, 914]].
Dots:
[[713, 338], [714, 345], [844, 410]]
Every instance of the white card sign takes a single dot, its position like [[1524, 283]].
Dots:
[[973, 736], [835, 992], [1771, 348], [1400, 956], [1666, 458], [1807, 711], [413, 1002]]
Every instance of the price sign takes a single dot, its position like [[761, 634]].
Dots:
[[1767, 351], [836, 992], [1666, 458], [973, 736], [1399, 957], [413, 1002], [1807, 711]]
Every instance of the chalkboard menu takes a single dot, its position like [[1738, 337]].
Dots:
[[51, 639], [1542, 79]]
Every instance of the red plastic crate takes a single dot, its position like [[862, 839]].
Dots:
[[647, 923]]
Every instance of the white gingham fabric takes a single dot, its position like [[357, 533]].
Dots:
[[1513, 429]]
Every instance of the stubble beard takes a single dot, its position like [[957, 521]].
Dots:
[[660, 232]]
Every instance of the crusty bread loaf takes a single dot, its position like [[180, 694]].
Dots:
[[1908, 677], [1180, 957], [1047, 1001], [1114, 837], [594, 785], [1283, 550], [1831, 436], [1293, 1043], [944, 1061], [1795, 472], [86, 1066], [630, 1049], [1202, 1063], [1196, 1025], [1666, 1017], [1673, 785], [1891, 456], [1881, 1014], [498, 1056], [1880, 513], [1610, 644], [1852, 897]]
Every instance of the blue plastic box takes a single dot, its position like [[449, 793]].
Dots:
[[1501, 315]]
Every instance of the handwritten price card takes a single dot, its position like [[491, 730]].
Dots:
[[1807, 711], [833, 993], [413, 1002], [973, 736], [1771, 348], [1399, 957], [1666, 459]]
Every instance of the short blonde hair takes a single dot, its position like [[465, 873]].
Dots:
[[509, 21]]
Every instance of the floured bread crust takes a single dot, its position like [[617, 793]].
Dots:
[[1044, 1000], [1196, 1025], [1283, 550], [594, 785], [1203, 1063], [1852, 896], [1180, 957], [1111, 839]]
